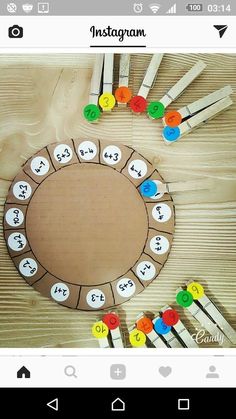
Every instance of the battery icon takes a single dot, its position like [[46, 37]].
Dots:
[[194, 7]]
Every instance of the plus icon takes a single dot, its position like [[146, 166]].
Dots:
[[118, 372]]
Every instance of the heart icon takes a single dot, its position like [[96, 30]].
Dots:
[[165, 371]]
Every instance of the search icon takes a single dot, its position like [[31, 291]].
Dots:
[[70, 371]]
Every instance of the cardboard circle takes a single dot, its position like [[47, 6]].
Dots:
[[78, 229], [95, 233]]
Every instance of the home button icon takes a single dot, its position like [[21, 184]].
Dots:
[[23, 372], [118, 405]]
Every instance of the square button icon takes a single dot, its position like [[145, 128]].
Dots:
[[118, 372], [183, 404]]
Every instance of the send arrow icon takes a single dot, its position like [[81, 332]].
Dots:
[[221, 29], [53, 404]]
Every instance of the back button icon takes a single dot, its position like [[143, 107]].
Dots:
[[53, 404]]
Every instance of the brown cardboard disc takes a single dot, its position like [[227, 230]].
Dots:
[[79, 230]]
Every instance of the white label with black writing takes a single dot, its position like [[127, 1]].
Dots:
[[63, 153], [17, 241], [14, 217], [95, 298], [87, 150], [60, 292], [22, 190], [159, 245], [125, 287], [28, 267]]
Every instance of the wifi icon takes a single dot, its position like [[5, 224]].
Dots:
[[154, 7]]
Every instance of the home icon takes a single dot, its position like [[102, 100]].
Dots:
[[118, 405], [23, 373]]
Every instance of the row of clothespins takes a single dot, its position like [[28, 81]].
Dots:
[[166, 329], [176, 123]]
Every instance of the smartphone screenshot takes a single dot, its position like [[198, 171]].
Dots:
[[118, 208]]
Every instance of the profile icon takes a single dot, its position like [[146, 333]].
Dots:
[[212, 372]]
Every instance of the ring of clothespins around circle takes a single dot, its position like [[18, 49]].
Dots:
[[79, 228]]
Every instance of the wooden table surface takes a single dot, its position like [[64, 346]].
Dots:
[[41, 98]]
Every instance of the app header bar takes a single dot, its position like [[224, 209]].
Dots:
[[112, 33]]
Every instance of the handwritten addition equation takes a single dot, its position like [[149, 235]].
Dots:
[[114, 156], [64, 155], [159, 245], [16, 241], [22, 190], [60, 292], [20, 241]]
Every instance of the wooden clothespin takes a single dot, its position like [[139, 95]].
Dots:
[[150, 75], [91, 111], [151, 188], [185, 299], [95, 87], [113, 323], [123, 94], [100, 331], [183, 83], [210, 308], [171, 318], [124, 70], [107, 101], [139, 103], [108, 73], [194, 115], [165, 331], [145, 325], [205, 102]]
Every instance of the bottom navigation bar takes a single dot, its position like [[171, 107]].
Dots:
[[106, 402]]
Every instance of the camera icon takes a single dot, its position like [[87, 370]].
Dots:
[[15, 31]]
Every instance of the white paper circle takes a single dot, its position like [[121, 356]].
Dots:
[[40, 166], [157, 195], [60, 292], [17, 241], [14, 217], [111, 155], [28, 267], [125, 287], [137, 169], [63, 153], [159, 245], [95, 298], [161, 213], [87, 150], [146, 270], [22, 190]]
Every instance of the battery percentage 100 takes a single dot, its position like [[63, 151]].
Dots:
[[194, 7]]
